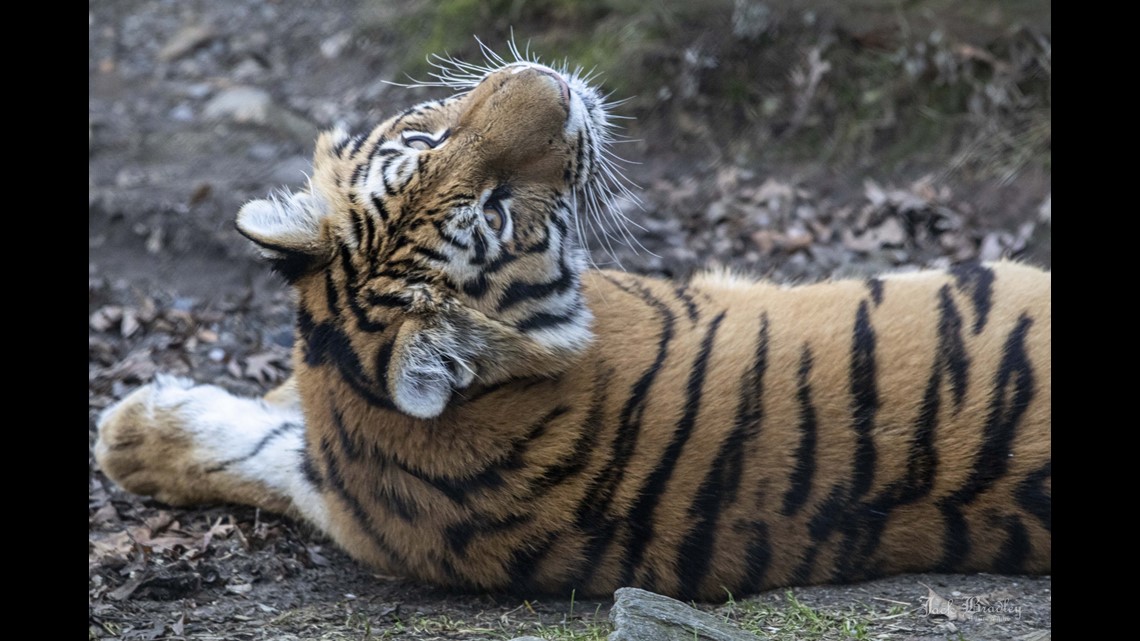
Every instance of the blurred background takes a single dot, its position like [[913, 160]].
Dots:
[[791, 139]]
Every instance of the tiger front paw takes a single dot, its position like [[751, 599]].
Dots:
[[146, 443]]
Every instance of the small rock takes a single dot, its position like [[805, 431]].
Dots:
[[332, 47], [181, 113], [639, 615], [185, 41], [240, 104], [247, 70]]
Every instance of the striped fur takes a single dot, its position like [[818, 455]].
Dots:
[[479, 410]]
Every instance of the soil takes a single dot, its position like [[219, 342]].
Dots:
[[197, 107]]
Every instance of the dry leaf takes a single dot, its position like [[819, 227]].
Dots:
[[105, 317], [113, 549], [239, 588], [264, 367]]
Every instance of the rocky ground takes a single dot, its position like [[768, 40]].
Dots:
[[196, 107]]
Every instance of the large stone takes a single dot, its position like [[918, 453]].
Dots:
[[638, 615]]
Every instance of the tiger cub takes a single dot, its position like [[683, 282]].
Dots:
[[473, 407]]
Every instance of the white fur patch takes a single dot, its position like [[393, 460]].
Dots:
[[292, 222], [252, 439]]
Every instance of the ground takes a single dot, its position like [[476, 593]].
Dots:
[[197, 107]]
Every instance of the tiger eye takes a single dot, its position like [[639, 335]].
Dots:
[[493, 216]]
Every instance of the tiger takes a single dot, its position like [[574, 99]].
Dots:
[[475, 405]]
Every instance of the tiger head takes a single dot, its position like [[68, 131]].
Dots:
[[442, 241]]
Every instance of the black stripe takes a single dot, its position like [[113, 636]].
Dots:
[[364, 323], [480, 244], [429, 253], [338, 148], [438, 223], [357, 226], [358, 175], [490, 476], [322, 343], [272, 435], [799, 485], [579, 158], [393, 301], [360, 514], [357, 143], [687, 299], [381, 209], [348, 443], [580, 451], [1011, 557], [543, 319], [976, 281], [388, 188], [721, 485], [1011, 396], [864, 400], [592, 513], [758, 557], [956, 363], [518, 292], [826, 518], [641, 515], [396, 501], [524, 564], [1032, 498], [308, 465], [369, 230], [331, 297], [871, 517], [459, 535], [875, 286]]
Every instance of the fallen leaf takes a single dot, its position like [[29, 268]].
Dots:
[[265, 367], [239, 588], [105, 317], [104, 515], [112, 550]]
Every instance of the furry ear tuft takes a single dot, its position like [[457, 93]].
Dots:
[[286, 230]]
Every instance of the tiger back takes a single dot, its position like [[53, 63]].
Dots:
[[473, 407]]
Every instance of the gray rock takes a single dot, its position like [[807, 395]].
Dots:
[[638, 615], [528, 638], [250, 105], [240, 104]]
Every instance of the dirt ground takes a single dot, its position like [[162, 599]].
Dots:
[[196, 107]]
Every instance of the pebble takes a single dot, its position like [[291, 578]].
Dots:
[[240, 104]]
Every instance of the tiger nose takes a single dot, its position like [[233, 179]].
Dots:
[[563, 87]]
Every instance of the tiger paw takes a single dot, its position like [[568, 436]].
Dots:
[[146, 443]]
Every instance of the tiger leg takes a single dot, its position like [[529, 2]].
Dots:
[[187, 444]]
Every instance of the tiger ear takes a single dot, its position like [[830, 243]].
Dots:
[[427, 364], [286, 230]]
